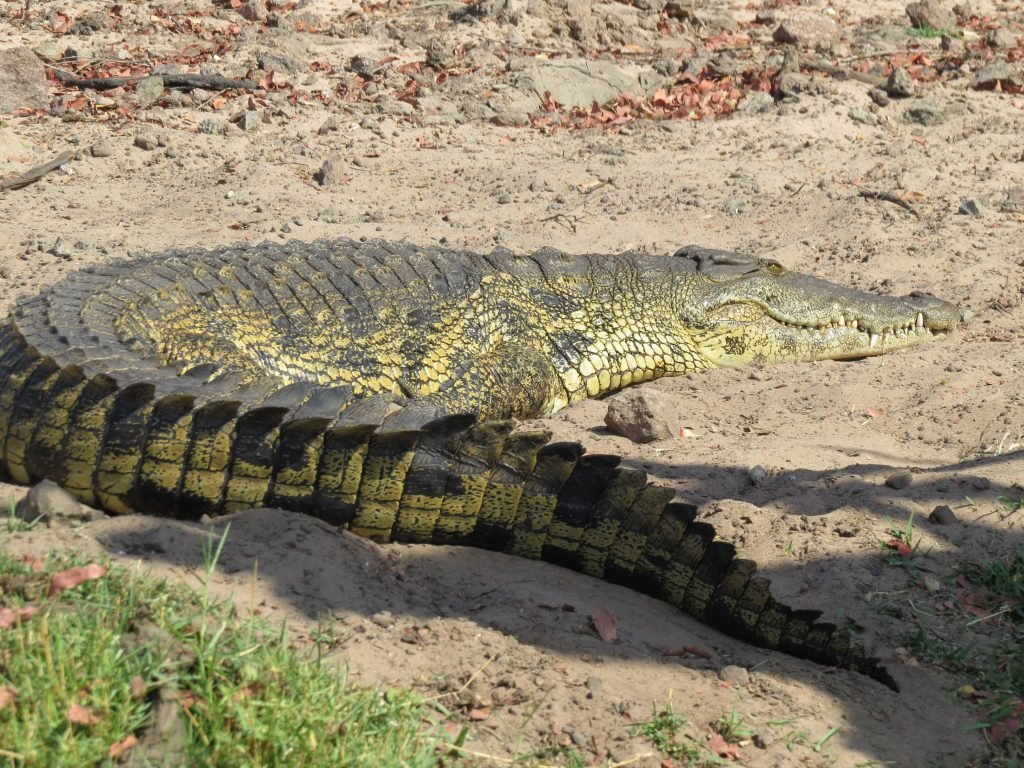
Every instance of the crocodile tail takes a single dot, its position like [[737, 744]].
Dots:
[[154, 442]]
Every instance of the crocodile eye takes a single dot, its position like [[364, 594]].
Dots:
[[774, 268]]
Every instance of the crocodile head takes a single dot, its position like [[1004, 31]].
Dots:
[[754, 310]]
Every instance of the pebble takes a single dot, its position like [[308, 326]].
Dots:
[[980, 483], [757, 474], [146, 141], [52, 505], [899, 481], [734, 674], [943, 515], [331, 172], [930, 13], [640, 415], [970, 206], [149, 89], [383, 619], [102, 148], [899, 85]]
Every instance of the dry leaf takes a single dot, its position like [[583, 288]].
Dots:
[[80, 715], [604, 623], [722, 748], [8, 693], [10, 617], [72, 577], [874, 412], [480, 713], [118, 748], [688, 650]]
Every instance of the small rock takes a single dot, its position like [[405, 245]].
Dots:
[[970, 206], [999, 74], [331, 172], [899, 85], [253, 10], [641, 415], [49, 503], [807, 29], [149, 90], [879, 96], [249, 120], [102, 148], [146, 141], [757, 474], [930, 14], [942, 515], [981, 483], [899, 481], [511, 119], [504, 198], [211, 126], [594, 684], [329, 125], [271, 61], [1001, 38], [736, 675], [860, 115], [383, 619], [23, 82], [763, 739], [924, 114]]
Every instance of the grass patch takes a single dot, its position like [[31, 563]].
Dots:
[[664, 731], [120, 661], [987, 649]]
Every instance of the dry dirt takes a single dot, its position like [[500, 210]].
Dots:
[[445, 136]]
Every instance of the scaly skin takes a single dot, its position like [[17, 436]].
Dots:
[[369, 383]]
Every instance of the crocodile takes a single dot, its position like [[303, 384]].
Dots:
[[376, 385]]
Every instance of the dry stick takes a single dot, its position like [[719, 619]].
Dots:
[[35, 174], [887, 197], [208, 82]]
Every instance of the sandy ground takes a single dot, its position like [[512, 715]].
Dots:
[[434, 119]]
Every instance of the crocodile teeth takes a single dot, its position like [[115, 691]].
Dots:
[[873, 339], [854, 324], [920, 320]]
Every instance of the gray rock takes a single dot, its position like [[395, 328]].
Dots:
[[147, 141], [253, 10], [999, 73], [249, 120], [879, 96], [22, 81], [331, 172], [924, 114], [330, 125], [578, 82], [271, 61], [980, 483], [942, 515], [970, 206], [102, 148], [807, 30], [50, 504], [211, 126], [899, 481], [756, 102], [734, 674], [899, 85], [149, 89], [511, 119], [642, 415], [930, 13], [757, 475], [861, 115], [1001, 38]]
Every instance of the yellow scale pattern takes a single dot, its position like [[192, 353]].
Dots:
[[291, 356]]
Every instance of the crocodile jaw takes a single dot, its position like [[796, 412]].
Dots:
[[746, 332]]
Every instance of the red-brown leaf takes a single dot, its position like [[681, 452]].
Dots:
[[80, 715], [722, 748], [479, 713], [72, 577], [688, 650], [118, 748], [8, 694], [10, 617], [604, 623]]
